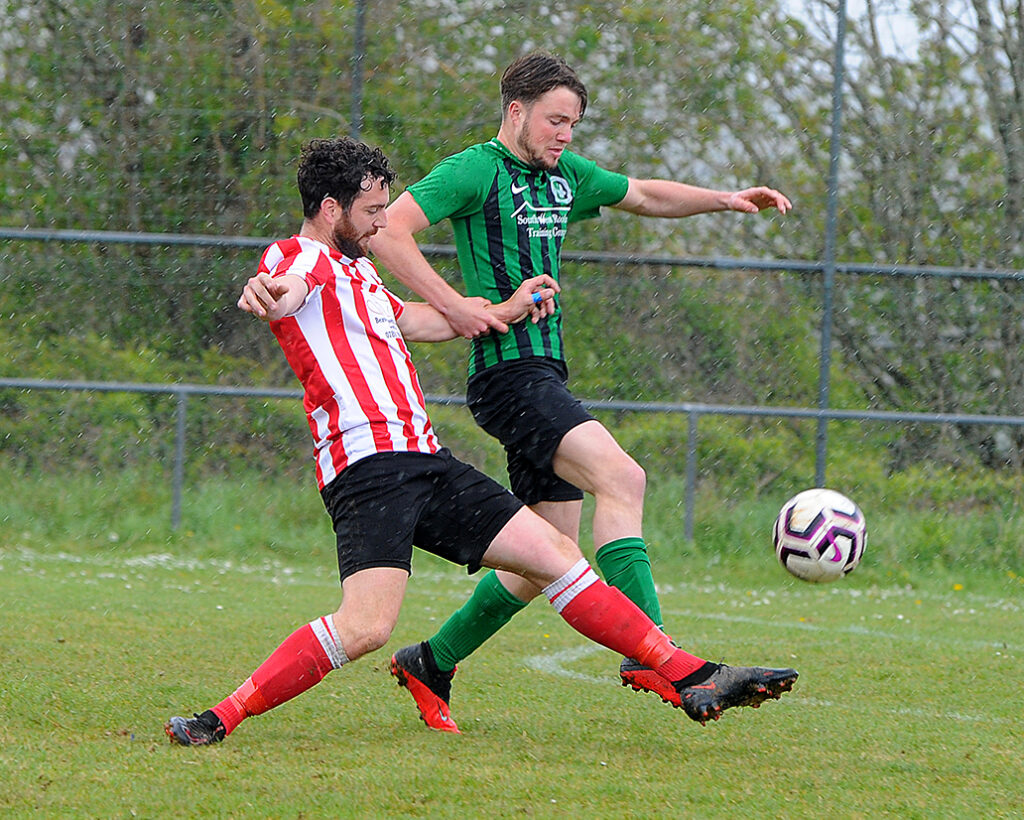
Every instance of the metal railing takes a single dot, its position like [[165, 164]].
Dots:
[[693, 411], [721, 263]]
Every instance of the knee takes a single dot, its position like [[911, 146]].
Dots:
[[377, 636], [625, 480], [557, 550], [551, 563], [637, 478], [365, 638], [567, 548]]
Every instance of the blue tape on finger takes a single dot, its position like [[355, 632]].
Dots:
[[537, 298]]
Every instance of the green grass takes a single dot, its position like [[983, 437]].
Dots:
[[907, 704]]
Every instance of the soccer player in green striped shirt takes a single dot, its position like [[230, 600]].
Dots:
[[510, 201]]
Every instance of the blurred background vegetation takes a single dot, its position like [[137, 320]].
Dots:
[[187, 118]]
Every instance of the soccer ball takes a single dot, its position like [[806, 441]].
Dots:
[[820, 535]]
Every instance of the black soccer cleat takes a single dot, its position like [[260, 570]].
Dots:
[[415, 668], [730, 686], [200, 730]]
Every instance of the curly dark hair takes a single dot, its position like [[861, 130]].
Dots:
[[534, 74], [339, 168]]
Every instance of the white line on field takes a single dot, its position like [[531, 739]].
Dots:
[[554, 663], [851, 629], [276, 572]]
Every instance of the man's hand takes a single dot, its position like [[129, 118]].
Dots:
[[270, 298], [469, 317], [535, 298], [752, 200]]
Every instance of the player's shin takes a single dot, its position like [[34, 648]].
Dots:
[[624, 563], [488, 609], [603, 614], [299, 663]]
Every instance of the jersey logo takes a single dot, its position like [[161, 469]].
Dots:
[[539, 223], [528, 206], [560, 190], [377, 302], [518, 189]]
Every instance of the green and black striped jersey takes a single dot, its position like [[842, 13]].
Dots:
[[509, 221]]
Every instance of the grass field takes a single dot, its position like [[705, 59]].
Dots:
[[908, 704]]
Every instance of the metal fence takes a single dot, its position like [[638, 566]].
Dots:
[[693, 411], [822, 414]]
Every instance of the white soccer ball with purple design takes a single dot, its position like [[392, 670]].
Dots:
[[820, 535]]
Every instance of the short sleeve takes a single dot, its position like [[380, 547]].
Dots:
[[455, 187], [397, 305], [595, 186]]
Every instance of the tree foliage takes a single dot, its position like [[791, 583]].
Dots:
[[932, 149], [187, 117]]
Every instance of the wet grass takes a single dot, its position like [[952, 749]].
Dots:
[[110, 624]]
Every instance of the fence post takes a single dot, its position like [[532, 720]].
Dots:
[[691, 473], [825, 358], [358, 70], [179, 458]]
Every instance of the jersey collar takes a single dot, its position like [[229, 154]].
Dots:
[[504, 150]]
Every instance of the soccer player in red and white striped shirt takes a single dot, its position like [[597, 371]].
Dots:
[[385, 480]]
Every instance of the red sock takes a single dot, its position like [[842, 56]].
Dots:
[[301, 662], [603, 614]]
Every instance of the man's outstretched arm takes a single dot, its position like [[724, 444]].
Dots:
[[664, 198], [396, 249], [534, 298]]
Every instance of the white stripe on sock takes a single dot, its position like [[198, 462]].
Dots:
[[325, 632], [562, 591]]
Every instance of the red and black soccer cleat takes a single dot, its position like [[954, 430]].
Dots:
[[416, 670], [644, 679], [200, 730], [730, 686]]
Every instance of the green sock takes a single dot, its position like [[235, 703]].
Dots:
[[624, 564], [488, 609]]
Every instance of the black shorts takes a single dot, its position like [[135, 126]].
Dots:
[[386, 503], [527, 406]]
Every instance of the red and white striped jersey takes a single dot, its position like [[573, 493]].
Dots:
[[362, 394]]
